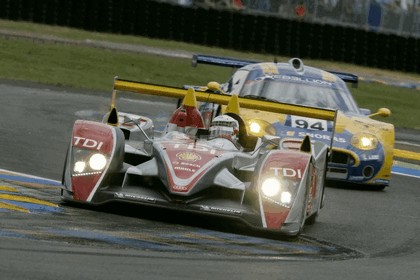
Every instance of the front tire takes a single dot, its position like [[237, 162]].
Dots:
[[312, 219]]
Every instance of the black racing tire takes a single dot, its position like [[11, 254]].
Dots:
[[378, 187], [323, 184], [312, 219], [63, 175]]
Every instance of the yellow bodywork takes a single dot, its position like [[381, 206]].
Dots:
[[383, 131], [143, 88]]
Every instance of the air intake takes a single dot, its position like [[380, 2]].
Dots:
[[297, 64]]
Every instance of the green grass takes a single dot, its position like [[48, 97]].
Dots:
[[94, 68], [404, 103]]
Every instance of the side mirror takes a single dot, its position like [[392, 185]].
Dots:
[[383, 112]]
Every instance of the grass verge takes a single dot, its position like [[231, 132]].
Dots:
[[82, 66]]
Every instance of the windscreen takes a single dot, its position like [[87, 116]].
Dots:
[[319, 94]]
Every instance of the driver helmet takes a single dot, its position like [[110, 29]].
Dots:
[[224, 127]]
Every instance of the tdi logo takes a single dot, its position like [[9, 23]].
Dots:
[[87, 143], [287, 172]]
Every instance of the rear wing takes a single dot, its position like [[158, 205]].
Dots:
[[238, 63], [220, 61], [223, 99]]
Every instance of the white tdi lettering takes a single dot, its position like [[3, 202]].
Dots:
[[287, 172], [87, 143]]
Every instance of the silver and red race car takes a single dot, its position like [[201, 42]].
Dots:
[[270, 183]]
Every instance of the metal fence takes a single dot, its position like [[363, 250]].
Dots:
[[399, 17]]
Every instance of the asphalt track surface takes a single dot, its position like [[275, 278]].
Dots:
[[360, 234]]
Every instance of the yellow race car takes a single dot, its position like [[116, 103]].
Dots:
[[362, 150]]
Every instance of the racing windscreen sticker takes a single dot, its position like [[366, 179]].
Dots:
[[309, 123]]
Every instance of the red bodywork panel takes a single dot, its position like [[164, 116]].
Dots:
[[285, 164], [91, 136], [186, 163]]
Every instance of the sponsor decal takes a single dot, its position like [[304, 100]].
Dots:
[[287, 172], [87, 143], [369, 157], [134, 197], [179, 188], [220, 210], [268, 74], [189, 164], [186, 166], [322, 137], [184, 169], [303, 80], [188, 156], [309, 123]]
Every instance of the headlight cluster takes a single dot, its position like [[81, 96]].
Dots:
[[86, 162], [364, 141], [260, 127], [277, 189]]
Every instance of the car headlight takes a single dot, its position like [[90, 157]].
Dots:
[[271, 187], [278, 190], [87, 163], [79, 166], [255, 128], [97, 161], [286, 197], [260, 127], [364, 141]]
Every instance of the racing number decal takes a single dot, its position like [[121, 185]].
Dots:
[[309, 123]]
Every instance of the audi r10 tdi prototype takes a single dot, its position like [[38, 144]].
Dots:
[[269, 183], [362, 151]]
